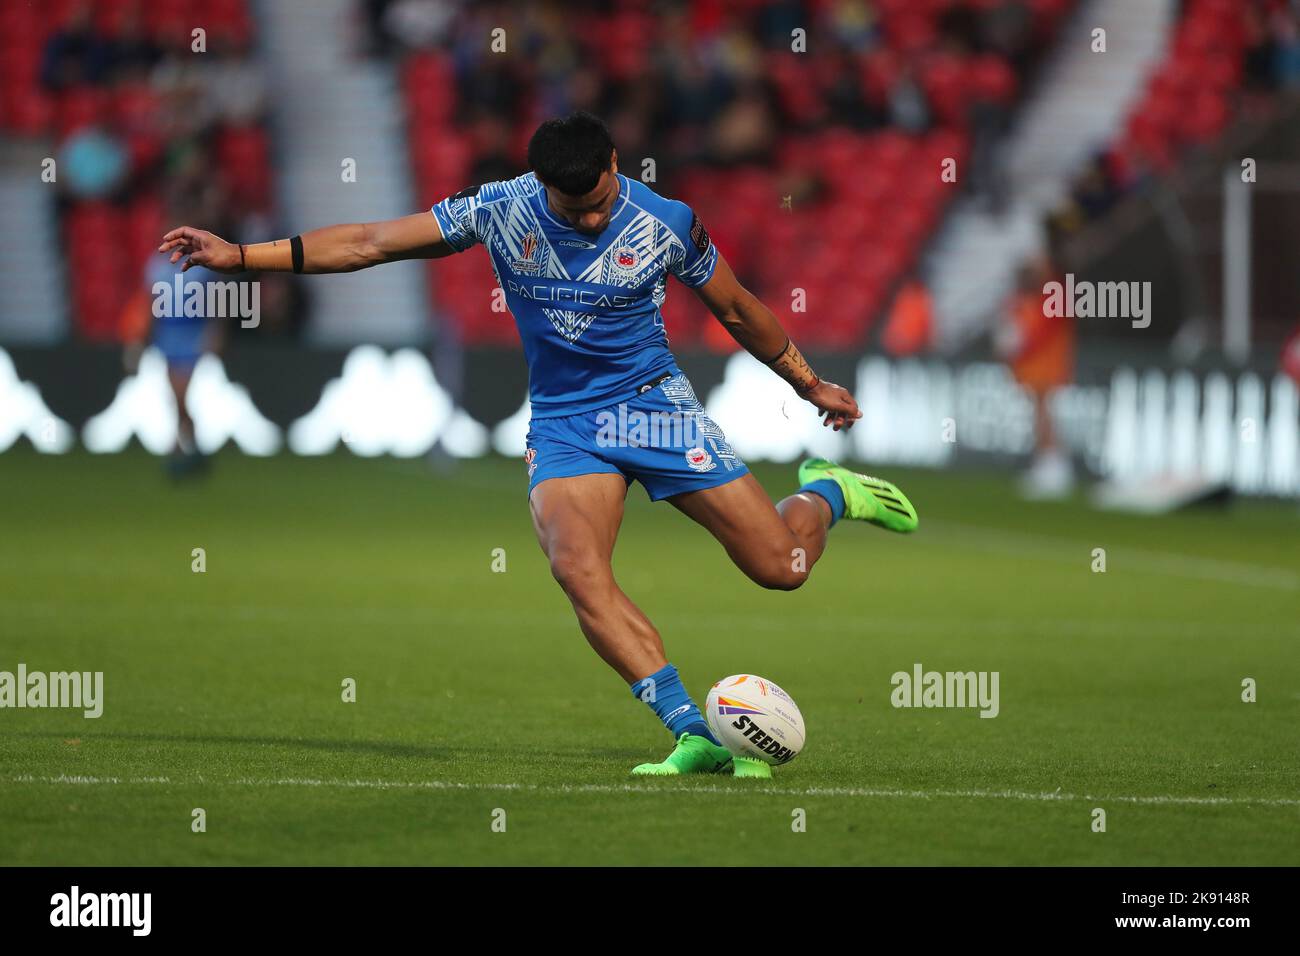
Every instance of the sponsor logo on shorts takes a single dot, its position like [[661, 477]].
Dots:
[[678, 391], [530, 459], [699, 459]]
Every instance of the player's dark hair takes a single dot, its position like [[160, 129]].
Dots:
[[571, 153]]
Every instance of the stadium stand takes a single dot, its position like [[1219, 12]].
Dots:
[[719, 92], [120, 101], [1221, 53]]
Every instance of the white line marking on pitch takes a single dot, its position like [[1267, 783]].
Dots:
[[1024, 544], [666, 788]]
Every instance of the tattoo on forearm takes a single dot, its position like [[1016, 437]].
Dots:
[[794, 368]]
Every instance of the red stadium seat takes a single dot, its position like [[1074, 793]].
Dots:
[[858, 257], [81, 107], [26, 111], [947, 87], [243, 154], [991, 79], [93, 232]]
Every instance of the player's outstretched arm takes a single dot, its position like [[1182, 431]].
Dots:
[[753, 325], [345, 248]]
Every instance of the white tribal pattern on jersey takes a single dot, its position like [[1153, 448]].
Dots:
[[587, 307]]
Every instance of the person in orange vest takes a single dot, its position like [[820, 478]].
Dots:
[[908, 330], [1040, 351]]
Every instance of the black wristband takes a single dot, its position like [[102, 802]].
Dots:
[[295, 248], [778, 354]]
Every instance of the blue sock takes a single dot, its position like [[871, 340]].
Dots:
[[831, 492], [664, 692]]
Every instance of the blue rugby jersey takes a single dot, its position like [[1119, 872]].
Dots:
[[587, 307], [178, 332]]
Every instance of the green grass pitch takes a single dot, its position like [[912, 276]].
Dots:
[[476, 692]]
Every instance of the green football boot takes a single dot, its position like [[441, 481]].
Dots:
[[693, 754], [751, 767], [866, 498]]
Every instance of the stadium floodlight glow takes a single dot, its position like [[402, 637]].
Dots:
[[24, 413], [384, 404], [509, 437], [1283, 475], [144, 407], [463, 437], [765, 420], [223, 411], [1241, 432], [905, 406]]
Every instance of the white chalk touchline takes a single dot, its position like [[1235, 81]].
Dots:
[[759, 789], [1024, 544]]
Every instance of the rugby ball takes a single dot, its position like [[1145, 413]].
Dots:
[[752, 717]]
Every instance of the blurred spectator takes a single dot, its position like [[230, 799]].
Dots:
[[1219, 54], [909, 328], [133, 51], [491, 137], [94, 163], [1039, 348], [234, 89], [1289, 360], [745, 109], [132, 106], [698, 80], [75, 54], [418, 23], [1273, 37], [1284, 25]]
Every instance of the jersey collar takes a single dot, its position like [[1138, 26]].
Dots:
[[624, 196]]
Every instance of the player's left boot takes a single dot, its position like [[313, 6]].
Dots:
[[866, 498], [693, 754]]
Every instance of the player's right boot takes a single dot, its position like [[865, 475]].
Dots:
[[751, 767], [874, 500], [693, 754]]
